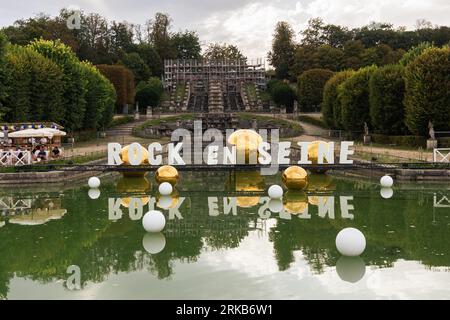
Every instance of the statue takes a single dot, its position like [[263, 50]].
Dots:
[[431, 130], [366, 129]]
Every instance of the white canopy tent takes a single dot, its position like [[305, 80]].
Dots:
[[37, 133]]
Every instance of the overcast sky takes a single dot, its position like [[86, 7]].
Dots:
[[246, 23]]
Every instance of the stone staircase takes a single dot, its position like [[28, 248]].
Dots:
[[125, 129], [215, 97]]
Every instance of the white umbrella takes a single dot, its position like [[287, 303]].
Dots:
[[55, 132], [31, 133]]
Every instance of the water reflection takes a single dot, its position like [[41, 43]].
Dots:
[[105, 236]]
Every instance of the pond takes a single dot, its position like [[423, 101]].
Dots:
[[224, 239]]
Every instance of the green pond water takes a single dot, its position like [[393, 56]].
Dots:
[[222, 241]]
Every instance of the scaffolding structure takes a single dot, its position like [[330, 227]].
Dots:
[[230, 73]]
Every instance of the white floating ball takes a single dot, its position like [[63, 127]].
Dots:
[[94, 182], [275, 192], [350, 242], [165, 189], [154, 221], [386, 193], [351, 269], [275, 205], [94, 193], [386, 181], [154, 243]]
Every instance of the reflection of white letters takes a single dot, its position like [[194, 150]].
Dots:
[[305, 214], [346, 207], [345, 152], [213, 206], [230, 204], [74, 280], [114, 154], [263, 210], [326, 152], [326, 205], [114, 211], [135, 209], [175, 212], [285, 215]]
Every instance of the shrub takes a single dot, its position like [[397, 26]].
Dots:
[[282, 94], [123, 82], [331, 108], [353, 95], [427, 96], [414, 52], [310, 88], [387, 89], [149, 93]]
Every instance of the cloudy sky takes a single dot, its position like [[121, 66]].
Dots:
[[247, 23]]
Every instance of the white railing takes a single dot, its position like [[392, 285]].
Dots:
[[14, 158], [441, 155], [441, 202]]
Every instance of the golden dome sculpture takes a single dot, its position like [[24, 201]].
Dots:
[[167, 174], [295, 202], [246, 142], [124, 156], [313, 154], [295, 178], [161, 201], [249, 181], [139, 185]]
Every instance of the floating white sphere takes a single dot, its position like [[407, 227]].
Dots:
[[350, 242], [94, 193], [154, 243], [386, 193], [165, 189], [275, 192], [154, 221], [94, 182], [275, 205], [351, 269], [386, 181]]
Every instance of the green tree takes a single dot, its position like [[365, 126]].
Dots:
[[282, 94], [136, 64], [310, 88], [414, 52], [151, 58], [387, 89], [217, 51], [187, 45], [331, 107], [427, 96], [123, 82], [100, 98], [159, 36], [74, 82], [3, 73], [281, 57], [149, 93], [353, 94]]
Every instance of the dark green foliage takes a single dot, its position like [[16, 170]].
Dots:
[[282, 94], [427, 95], [387, 89], [3, 73], [136, 64], [149, 93], [74, 82], [331, 108], [123, 82], [414, 52], [353, 94], [310, 88]]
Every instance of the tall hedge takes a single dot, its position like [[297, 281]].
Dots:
[[387, 89], [99, 98], [3, 73], [310, 88], [282, 94], [414, 52], [353, 94], [34, 87], [427, 98], [74, 82], [331, 108], [149, 93], [123, 82]]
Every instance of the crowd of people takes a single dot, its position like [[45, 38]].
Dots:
[[38, 153]]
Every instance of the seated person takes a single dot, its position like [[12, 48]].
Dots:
[[35, 152], [42, 155], [55, 152]]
